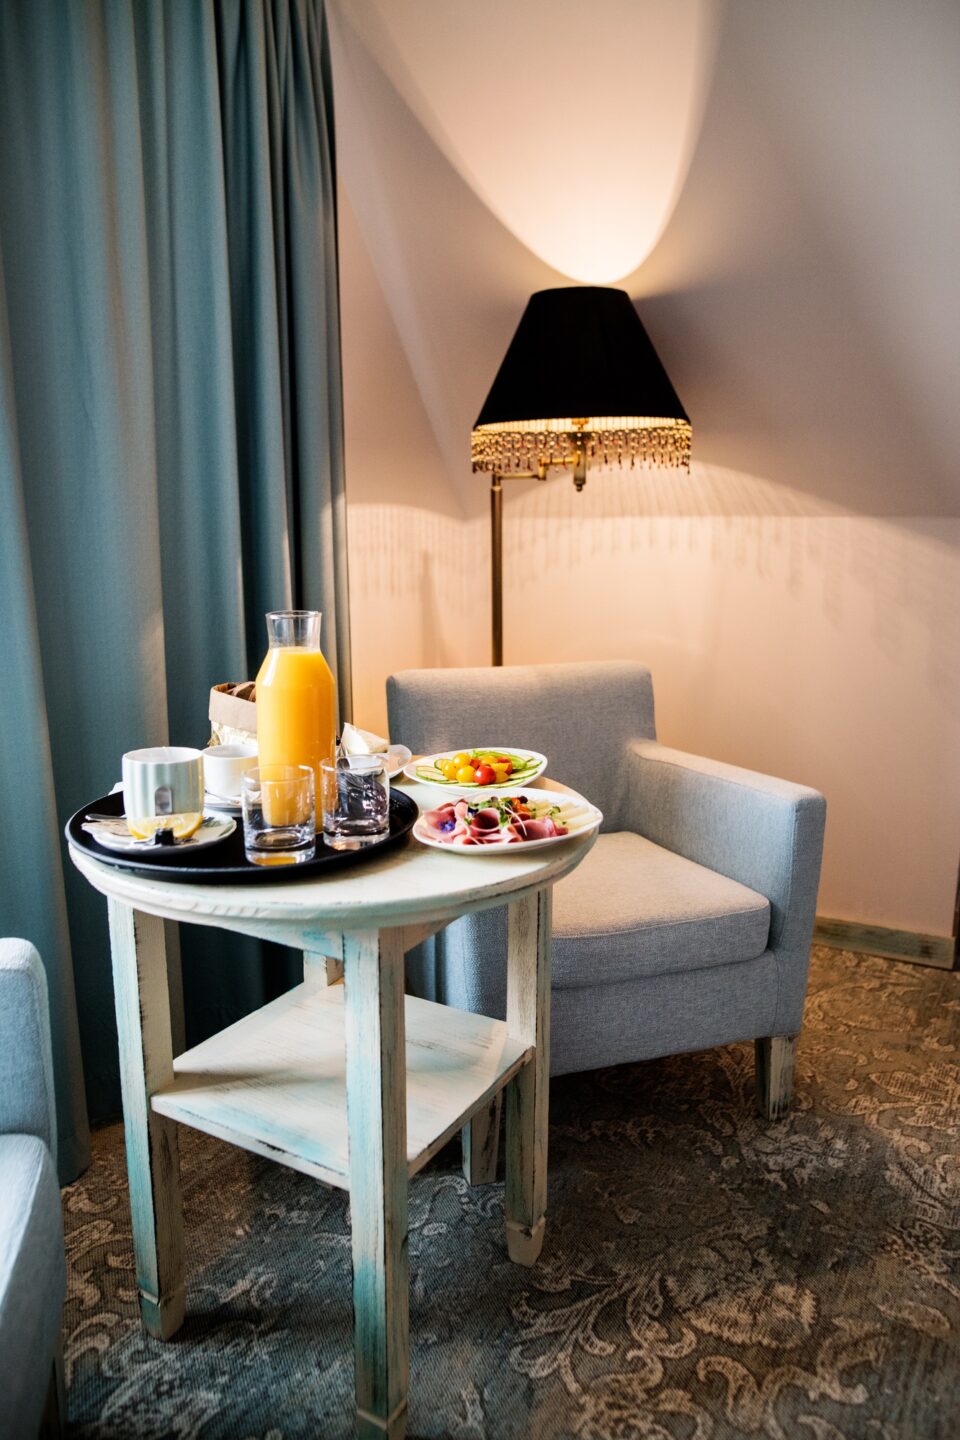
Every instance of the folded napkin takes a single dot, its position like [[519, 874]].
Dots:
[[354, 741]]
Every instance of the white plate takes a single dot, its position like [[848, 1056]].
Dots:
[[580, 815], [509, 784], [396, 758], [114, 835]]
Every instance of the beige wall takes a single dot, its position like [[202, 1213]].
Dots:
[[407, 536], [797, 596]]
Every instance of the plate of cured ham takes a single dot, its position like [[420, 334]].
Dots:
[[482, 826]]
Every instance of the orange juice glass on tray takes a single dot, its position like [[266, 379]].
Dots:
[[296, 697]]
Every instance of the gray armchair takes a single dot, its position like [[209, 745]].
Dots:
[[687, 926], [32, 1266]]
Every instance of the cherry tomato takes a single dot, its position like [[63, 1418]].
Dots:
[[486, 775], [448, 768], [462, 758], [466, 775], [504, 762]]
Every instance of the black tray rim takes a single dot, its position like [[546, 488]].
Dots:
[[404, 813]]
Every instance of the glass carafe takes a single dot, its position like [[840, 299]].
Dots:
[[296, 695]]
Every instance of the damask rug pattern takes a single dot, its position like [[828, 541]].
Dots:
[[706, 1275]]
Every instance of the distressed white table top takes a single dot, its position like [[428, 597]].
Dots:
[[407, 886]]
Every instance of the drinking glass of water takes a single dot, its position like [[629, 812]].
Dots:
[[355, 798]]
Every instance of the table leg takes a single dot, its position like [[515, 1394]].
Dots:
[[481, 1143], [528, 1018], [377, 1118], [153, 1154]]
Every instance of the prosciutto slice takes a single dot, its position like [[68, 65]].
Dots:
[[535, 829], [485, 828]]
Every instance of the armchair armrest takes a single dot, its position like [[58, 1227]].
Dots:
[[26, 1063], [766, 833]]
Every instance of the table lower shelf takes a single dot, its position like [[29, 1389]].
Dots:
[[275, 1082]]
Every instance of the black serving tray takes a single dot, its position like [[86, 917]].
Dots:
[[225, 863]]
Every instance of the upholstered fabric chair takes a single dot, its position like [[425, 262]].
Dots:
[[32, 1265], [688, 924]]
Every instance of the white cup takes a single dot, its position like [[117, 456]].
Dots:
[[164, 780], [223, 767]]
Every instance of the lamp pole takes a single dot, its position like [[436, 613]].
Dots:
[[579, 463], [496, 561], [496, 553]]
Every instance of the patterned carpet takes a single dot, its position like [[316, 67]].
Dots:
[[705, 1275]]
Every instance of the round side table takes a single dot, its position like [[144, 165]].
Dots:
[[353, 1082]]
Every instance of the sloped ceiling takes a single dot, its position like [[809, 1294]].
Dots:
[[776, 186]]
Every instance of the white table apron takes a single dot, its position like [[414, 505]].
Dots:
[[354, 1084]]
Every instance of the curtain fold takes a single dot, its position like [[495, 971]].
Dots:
[[32, 898], [171, 457]]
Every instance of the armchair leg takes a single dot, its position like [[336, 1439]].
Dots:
[[774, 1062], [481, 1143], [54, 1418]]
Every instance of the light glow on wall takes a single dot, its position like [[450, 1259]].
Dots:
[[577, 140]]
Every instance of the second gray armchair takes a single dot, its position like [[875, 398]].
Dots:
[[32, 1265], [689, 923]]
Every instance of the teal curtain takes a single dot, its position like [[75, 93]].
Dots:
[[171, 460]]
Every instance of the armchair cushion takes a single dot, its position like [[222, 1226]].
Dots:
[[32, 1279], [633, 909]]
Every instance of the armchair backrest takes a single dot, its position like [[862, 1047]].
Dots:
[[580, 715]]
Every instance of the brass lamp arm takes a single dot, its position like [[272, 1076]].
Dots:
[[578, 465]]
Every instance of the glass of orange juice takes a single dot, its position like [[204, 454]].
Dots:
[[279, 814]]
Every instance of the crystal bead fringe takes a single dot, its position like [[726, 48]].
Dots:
[[504, 451]]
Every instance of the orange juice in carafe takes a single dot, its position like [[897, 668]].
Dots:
[[296, 697]]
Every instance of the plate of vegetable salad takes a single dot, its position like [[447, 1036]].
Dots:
[[482, 768], [482, 825]]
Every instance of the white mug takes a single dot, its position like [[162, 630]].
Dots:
[[164, 780], [223, 767]]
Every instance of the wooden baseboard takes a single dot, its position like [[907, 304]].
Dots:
[[937, 950]]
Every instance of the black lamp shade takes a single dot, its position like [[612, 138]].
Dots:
[[580, 351], [580, 364]]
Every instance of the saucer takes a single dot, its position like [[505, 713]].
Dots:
[[221, 804], [114, 835]]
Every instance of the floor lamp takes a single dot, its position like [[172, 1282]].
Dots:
[[580, 382]]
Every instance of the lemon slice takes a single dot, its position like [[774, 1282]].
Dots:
[[183, 825]]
